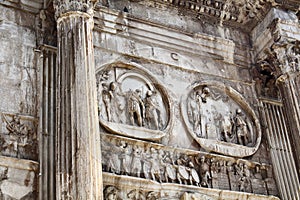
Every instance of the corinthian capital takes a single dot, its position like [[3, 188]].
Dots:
[[283, 57], [65, 6]]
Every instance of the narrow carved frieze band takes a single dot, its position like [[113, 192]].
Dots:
[[64, 6], [157, 164]]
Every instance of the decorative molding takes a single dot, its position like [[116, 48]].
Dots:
[[245, 12]]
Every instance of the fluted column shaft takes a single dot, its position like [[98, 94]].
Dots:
[[289, 86], [78, 141]]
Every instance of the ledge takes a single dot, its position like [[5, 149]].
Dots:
[[18, 163]]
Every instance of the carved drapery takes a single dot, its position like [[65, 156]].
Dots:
[[78, 141]]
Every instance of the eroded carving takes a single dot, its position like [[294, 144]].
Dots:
[[111, 193], [64, 6], [20, 141], [132, 103], [283, 57], [220, 119], [233, 11], [165, 165]]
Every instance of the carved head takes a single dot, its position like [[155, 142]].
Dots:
[[16, 118], [149, 93], [238, 111], [110, 193]]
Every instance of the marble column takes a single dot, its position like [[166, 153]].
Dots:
[[78, 158], [282, 63], [289, 87]]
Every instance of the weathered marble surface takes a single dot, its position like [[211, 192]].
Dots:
[[18, 178]]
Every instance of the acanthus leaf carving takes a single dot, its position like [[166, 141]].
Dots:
[[64, 6], [282, 59]]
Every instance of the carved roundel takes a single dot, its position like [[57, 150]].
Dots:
[[221, 120], [132, 103]]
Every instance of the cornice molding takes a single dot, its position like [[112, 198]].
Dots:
[[235, 12]]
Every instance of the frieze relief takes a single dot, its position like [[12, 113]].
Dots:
[[18, 138], [132, 103], [220, 119], [165, 165]]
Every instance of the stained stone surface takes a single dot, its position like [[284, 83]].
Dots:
[[195, 99], [17, 178]]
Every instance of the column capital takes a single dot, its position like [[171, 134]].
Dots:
[[62, 7], [283, 57]]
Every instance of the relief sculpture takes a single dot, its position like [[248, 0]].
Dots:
[[221, 120], [132, 103], [20, 139], [155, 163]]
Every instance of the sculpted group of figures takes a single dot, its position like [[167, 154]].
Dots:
[[217, 123], [164, 166], [131, 107]]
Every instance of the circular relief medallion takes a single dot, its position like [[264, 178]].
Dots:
[[132, 103], [221, 120]]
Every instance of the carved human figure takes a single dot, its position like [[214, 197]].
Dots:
[[155, 165], [112, 153], [153, 195], [183, 171], [204, 171], [194, 177], [106, 98], [125, 157], [151, 111], [117, 103], [194, 112], [229, 136], [244, 174], [136, 165], [146, 157], [136, 195], [136, 107], [111, 193], [170, 170], [240, 128]]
